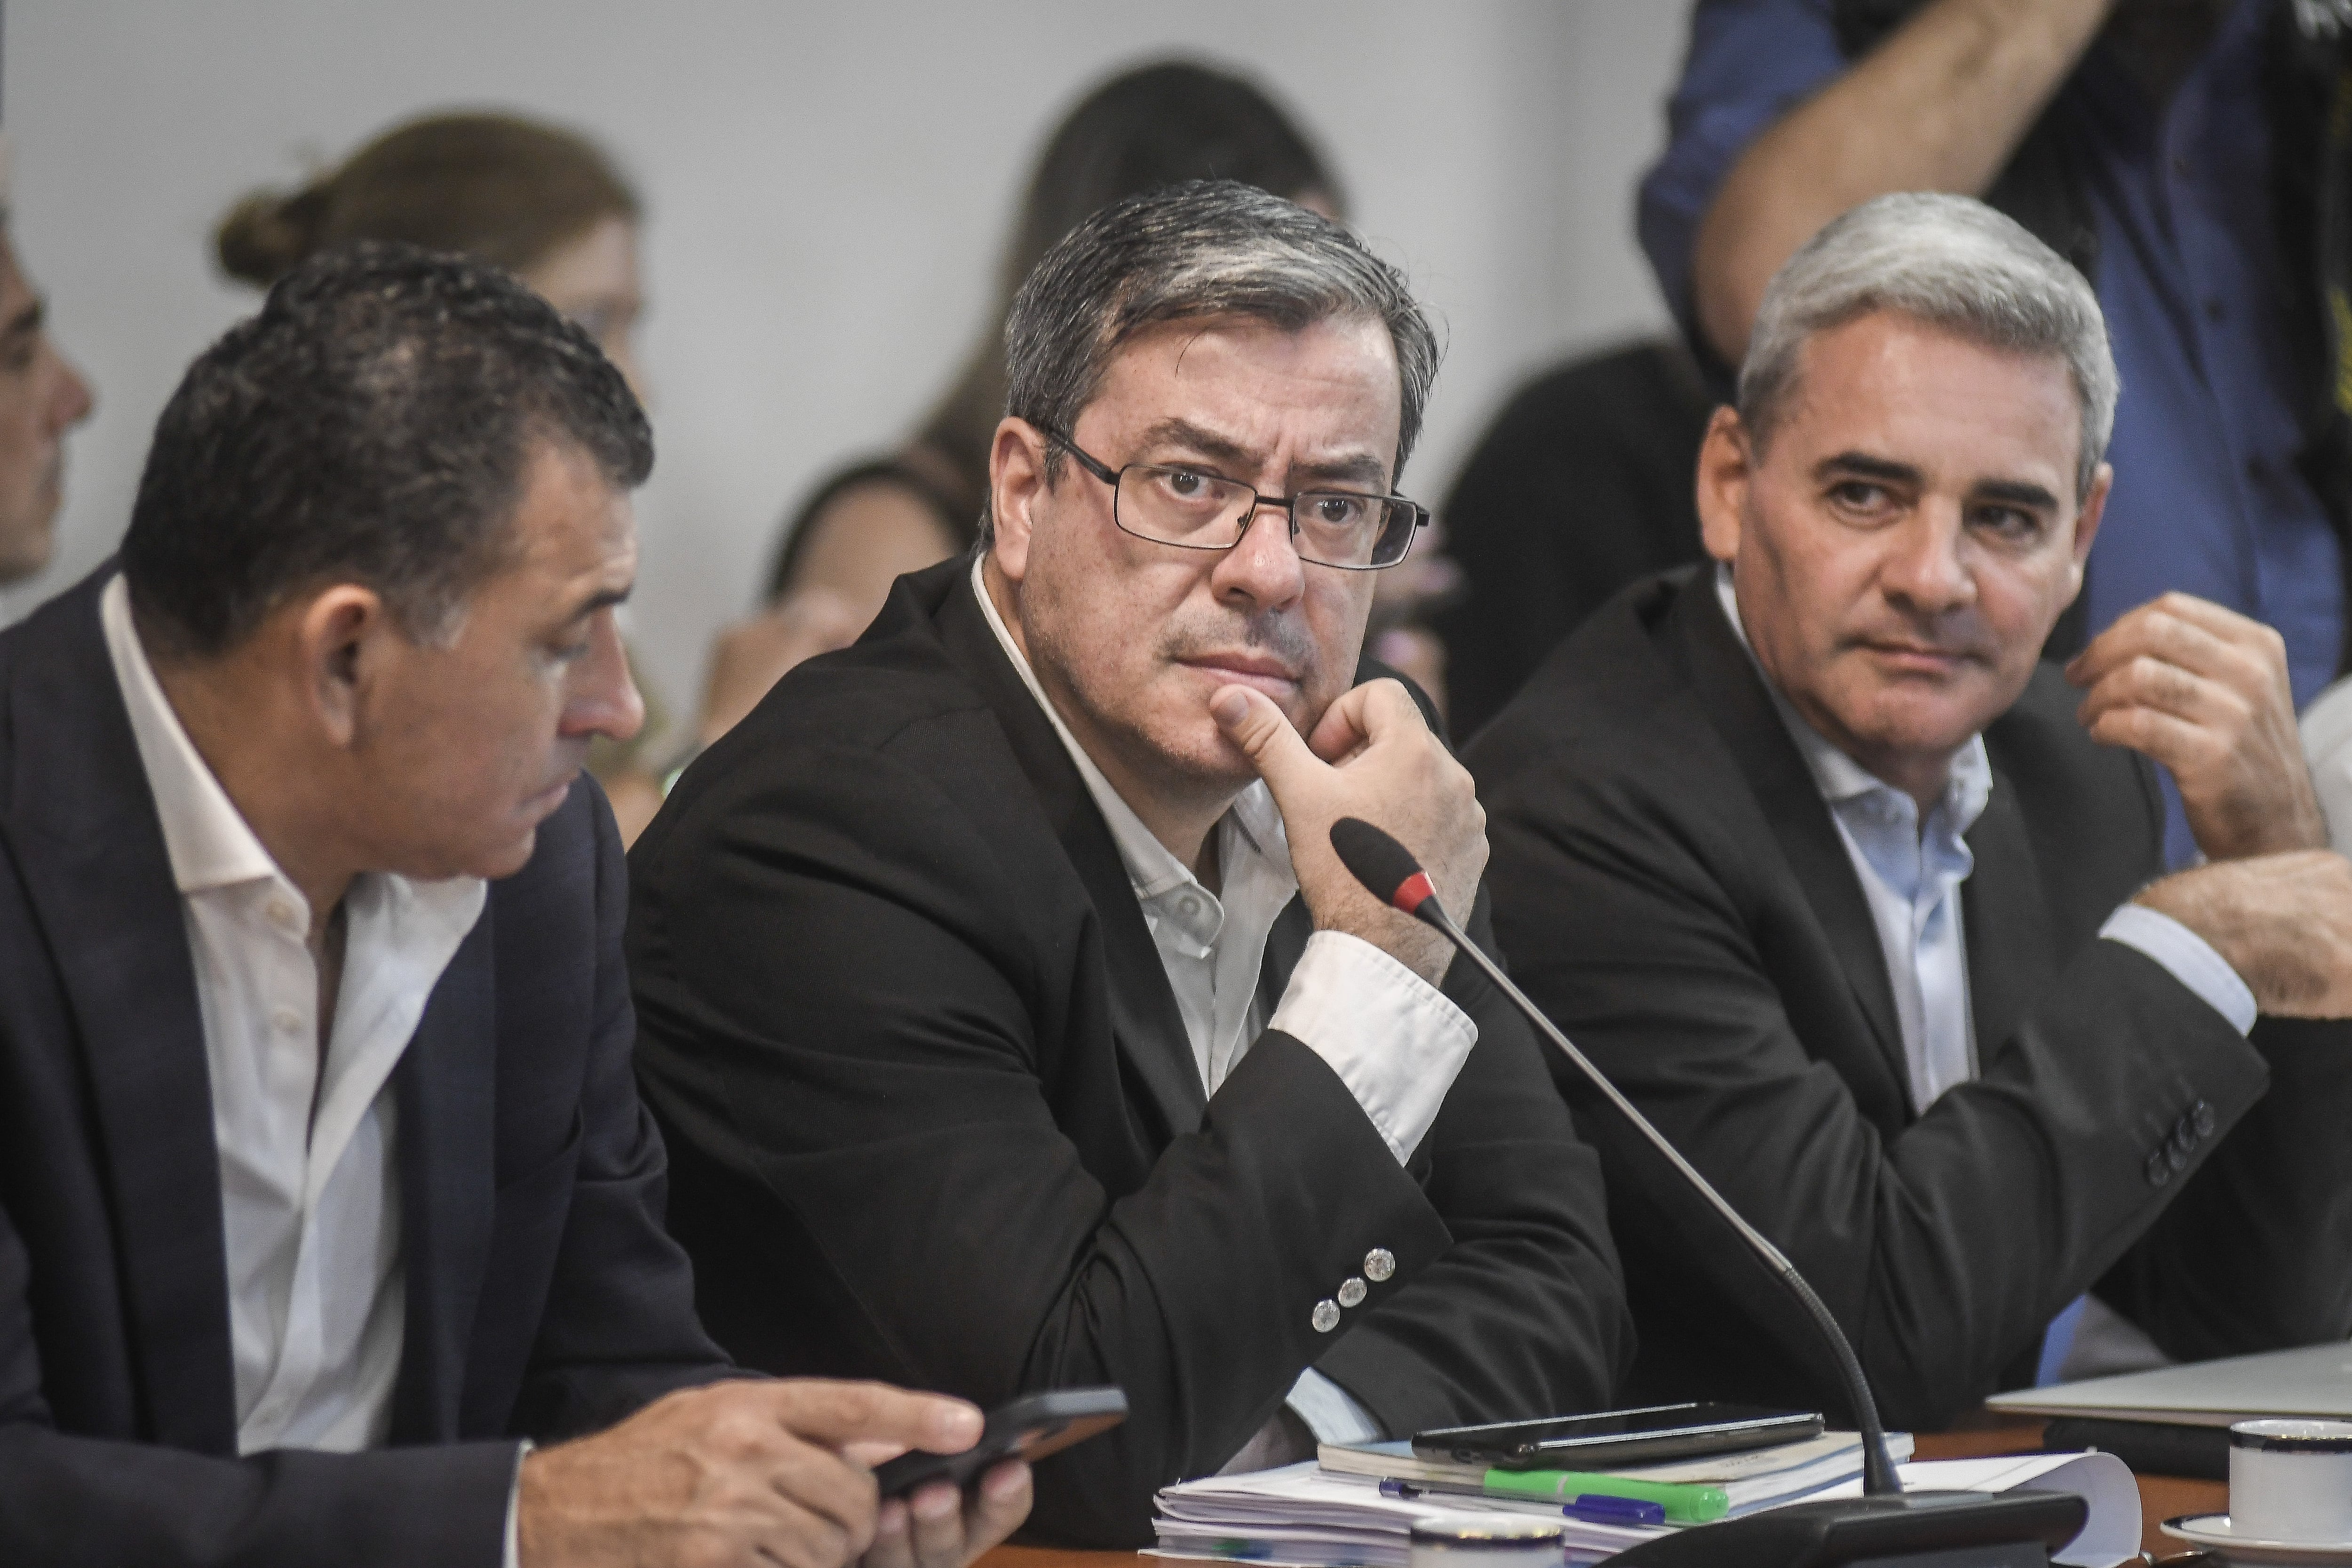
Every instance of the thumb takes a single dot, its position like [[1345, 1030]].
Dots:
[[1251, 721]]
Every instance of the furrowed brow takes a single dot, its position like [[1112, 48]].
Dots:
[[1862, 465], [1183, 433], [2016, 492]]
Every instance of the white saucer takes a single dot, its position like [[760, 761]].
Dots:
[[2213, 1530]]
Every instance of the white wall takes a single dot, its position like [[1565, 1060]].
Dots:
[[829, 185]]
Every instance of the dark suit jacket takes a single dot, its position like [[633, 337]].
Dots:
[[935, 1120], [1671, 889], [1581, 484], [543, 1297]]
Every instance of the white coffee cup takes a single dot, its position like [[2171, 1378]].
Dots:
[[2291, 1481]]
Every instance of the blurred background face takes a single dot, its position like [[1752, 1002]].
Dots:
[[594, 279], [41, 398], [1907, 536], [466, 746], [1131, 637]]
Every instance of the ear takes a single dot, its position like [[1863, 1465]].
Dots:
[[1726, 469], [1016, 479], [2087, 527], [333, 637]]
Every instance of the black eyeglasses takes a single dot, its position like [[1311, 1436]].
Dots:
[[1193, 509]]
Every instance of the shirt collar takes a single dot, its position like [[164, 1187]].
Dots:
[[209, 842], [1151, 870], [1839, 778], [212, 846]]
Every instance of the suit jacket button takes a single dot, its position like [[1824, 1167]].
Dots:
[[1352, 1292], [1379, 1264], [1326, 1316], [2201, 1118], [2158, 1169], [2177, 1155]]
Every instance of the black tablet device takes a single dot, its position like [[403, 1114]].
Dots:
[[1654, 1433]]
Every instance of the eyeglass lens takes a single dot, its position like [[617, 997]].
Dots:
[[1200, 511]]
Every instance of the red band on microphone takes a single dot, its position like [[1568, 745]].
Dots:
[[1412, 892]]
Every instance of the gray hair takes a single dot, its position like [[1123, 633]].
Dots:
[[1949, 262], [1202, 249]]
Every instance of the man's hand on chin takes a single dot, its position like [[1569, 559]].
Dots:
[[1370, 756]]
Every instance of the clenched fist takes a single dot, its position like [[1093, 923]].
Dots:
[[1370, 756]]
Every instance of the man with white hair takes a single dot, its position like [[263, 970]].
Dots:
[[1863, 907]]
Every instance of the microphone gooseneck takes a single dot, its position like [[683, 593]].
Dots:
[[1387, 870]]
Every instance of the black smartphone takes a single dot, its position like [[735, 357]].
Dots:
[[1649, 1435], [1030, 1428]]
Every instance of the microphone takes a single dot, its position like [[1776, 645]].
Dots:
[[1960, 1529]]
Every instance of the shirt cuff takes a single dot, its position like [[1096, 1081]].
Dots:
[[2189, 957], [1392, 1037], [1330, 1412], [513, 1558]]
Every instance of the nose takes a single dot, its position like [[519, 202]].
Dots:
[[1923, 569], [71, 400], [1264, 568], [604, 700]]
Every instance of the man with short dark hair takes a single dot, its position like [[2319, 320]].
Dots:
[[1807, 856], [1015, 1023], [324, 1187]]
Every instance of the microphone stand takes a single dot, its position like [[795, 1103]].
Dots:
[[1886, 1525]]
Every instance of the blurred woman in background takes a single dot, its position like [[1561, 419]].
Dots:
[[872, 520], [544, 203]]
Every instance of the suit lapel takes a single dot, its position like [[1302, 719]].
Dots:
[[2007, 925], [1741, 710], [446, 1087], [92, 850], [1144, 1015]]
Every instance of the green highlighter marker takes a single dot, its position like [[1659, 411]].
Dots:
[[1684, 1504]]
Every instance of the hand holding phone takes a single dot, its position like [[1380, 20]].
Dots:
[[1028, 1428]]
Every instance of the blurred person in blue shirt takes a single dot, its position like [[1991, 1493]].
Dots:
[[2188, 156]]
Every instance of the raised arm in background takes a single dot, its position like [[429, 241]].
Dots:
[[1940, 105]]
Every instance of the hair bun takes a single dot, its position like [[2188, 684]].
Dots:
[[267, 234]]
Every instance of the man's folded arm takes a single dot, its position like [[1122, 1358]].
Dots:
[[1944, 1252], [842, 1006], [1525, 1315], [2256, 1252]]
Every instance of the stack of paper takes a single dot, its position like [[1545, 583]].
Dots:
[[1748, 1481], [1305, 1517]]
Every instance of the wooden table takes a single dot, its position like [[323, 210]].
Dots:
[[2160, 1497]]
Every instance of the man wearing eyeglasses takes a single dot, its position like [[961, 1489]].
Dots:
[[1012, 1022]]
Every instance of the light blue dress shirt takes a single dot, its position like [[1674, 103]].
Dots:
[[1911, 875]]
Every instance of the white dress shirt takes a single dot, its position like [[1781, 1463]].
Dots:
[[308, 1141], [1394, 1038]]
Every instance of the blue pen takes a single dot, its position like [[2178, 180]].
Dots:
[[1594, 1507]]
